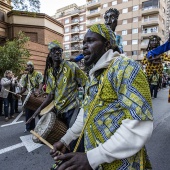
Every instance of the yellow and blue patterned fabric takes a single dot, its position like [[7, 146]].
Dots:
[[125, 95], [105, 31], [65, 85], [36, 78]]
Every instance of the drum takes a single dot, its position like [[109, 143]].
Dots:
[[32, 102], [50, 128]]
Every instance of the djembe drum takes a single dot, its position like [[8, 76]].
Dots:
[[33, 102], [50, 128]]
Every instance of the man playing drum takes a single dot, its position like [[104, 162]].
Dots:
[[116, 114], [63, 79], [33, 83]]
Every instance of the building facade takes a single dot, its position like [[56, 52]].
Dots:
[[73, 18], [40, 28], [138, 20]]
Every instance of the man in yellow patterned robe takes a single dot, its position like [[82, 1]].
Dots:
[[116, 116]]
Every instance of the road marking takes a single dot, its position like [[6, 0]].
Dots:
[[10, 148], [9, 124], [29, 144], [16, 119]]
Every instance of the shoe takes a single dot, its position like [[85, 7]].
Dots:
[[6, 119], [12, 117], [25, 131]]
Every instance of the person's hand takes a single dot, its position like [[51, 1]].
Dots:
[[73, 161], [18, 95], [33, 116], [72, 59], [37, 93], [59, 148]]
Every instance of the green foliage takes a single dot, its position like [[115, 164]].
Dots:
[[13, 55], [26, 5]]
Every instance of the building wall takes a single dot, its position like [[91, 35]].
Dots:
[[150, 21]]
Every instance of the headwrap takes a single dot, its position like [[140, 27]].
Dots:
[[105, 31], [54, 44], [30, 63]]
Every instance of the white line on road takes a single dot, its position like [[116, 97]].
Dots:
[[16, 119], [12, 124], [10, 148]]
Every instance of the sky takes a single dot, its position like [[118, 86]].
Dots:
[[49, 7]]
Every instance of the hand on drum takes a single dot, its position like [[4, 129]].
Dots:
[[73, 161], [59, 147]]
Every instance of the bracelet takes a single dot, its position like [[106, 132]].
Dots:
[[62, 141]]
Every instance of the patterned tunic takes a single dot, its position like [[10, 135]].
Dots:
[[36, 78], [125, 95], [65, 85], [150, 66]]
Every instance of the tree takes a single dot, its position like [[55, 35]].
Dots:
[[26, 5], [14, 54]]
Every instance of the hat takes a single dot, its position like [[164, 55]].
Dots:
[[30, 63], [54, 44], [105, 31]]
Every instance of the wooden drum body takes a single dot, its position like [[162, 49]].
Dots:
[[50, 128], [32, 102]]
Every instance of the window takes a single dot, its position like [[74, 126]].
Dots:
[[124, 32], [2, 16], [135, 19], [114, 3], [66, 38], [163, 21], [125, 1], [124, 43], [105, 5], [66, 29], [164, 10], [66, 21], [81, 27], [81, 36], [134, 41], [135, 8], [124, 21], [134, 52], [66, 47], [81, 18], [134, 30], [125, 10]]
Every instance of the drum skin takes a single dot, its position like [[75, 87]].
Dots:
[[50, 128], [34, 102]]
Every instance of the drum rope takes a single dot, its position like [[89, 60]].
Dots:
[[93, 106]]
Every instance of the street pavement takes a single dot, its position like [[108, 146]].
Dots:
[[18, 152]]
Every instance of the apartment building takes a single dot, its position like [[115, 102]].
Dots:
[[73, 18], [138, 20]]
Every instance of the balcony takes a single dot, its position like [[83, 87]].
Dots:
[[75, 49], [150, 10], [150, 21], [91, 14], [93, 4], [75, 31], [74, 22], [91, 22], [75, 40], [147, 33]]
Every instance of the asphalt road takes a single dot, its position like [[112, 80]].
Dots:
[[15, 156]]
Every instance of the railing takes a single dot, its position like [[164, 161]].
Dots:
[[93, 21], [93, 2], [74, 30], [150, 19], [149, 31], [75, 21], [150, 7], [75, 39]]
